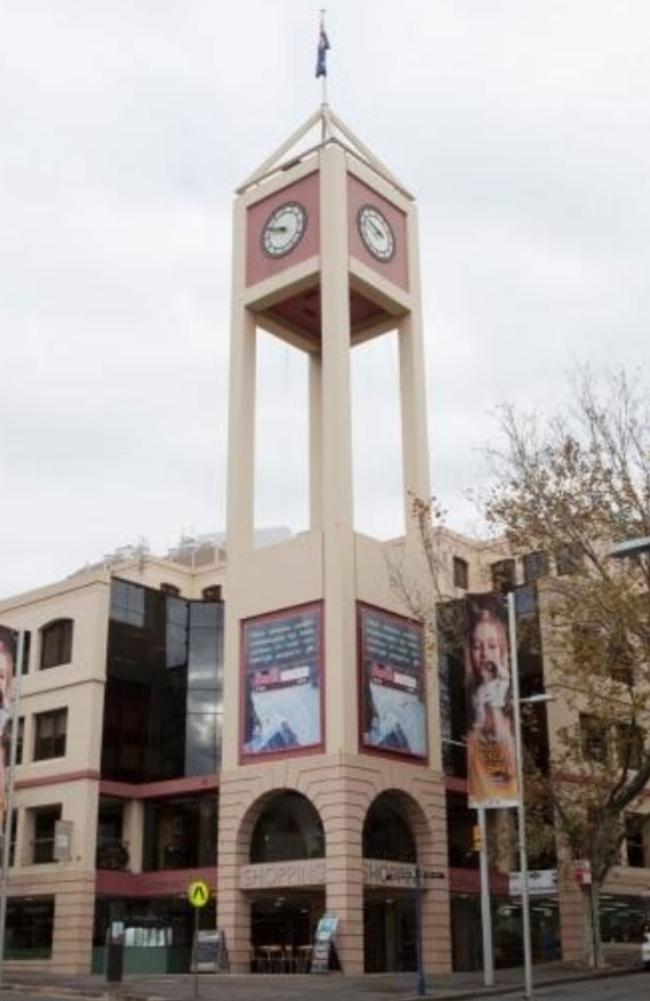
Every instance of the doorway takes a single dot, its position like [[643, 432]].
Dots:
[[389, 933]]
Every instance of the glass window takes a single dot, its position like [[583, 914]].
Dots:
[[593, 738], [536, 565], [180, 833], [56, 643], [460, 830], [568, 560], [212, 593], [127, 602], [634, 840], [461, 573], [19, 740], [164, 691], [50, 730], [30, 925], [504, 577], [289, 828], [44, 820], [387, 834]]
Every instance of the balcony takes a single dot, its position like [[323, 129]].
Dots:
[[112, 854]]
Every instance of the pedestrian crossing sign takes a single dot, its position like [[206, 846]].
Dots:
[[198, 893]]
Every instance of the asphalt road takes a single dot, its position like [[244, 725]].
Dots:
[[629, 988]]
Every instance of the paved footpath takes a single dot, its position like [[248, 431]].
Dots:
[[379, 987]]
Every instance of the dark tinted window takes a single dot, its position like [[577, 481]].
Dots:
[[289, 828], [460, 829], [56, 643], [536, 565], [163, 702], [180, 833], [44, 821], [386, 832], [504, 576], [461, 573], [30, 924], [50, 730]]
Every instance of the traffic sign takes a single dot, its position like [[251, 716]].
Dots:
[[198, 893]]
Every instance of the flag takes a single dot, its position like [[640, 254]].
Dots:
[[321, 55]]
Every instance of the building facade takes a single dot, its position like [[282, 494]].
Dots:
[[278, 723]]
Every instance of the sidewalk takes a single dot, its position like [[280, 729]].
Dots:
[[277, 987]]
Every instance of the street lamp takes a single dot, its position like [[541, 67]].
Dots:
[[632, 547], [521, 808]]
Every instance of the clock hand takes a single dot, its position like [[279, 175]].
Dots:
[[277, 229], [376, 228]]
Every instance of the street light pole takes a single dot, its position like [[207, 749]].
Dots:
[[521, 808]]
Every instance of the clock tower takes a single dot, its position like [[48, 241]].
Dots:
[[331, 727]]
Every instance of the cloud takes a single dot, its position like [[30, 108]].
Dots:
[[522, 129]]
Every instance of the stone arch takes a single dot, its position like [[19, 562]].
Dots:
[[394, 816], [281, 825]]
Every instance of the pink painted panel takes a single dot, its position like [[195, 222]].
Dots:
[[169, 882], [258, 265], [395, 270], [154, 790]]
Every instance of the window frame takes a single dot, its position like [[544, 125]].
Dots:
[[38, 739], [61, 653]]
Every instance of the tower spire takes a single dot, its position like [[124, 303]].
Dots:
[[321, 67]]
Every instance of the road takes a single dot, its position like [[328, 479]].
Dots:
[[629, 988]]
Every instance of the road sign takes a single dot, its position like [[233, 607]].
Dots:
[[198, 893]]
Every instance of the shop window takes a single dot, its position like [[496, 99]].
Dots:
[[30, 924], [50, 731], [593, 739], [56, 643], [387, 834], [536, 565], [504, 576], [212, 593], [634, 840], [43, 824], [461, 573], [289, 828], [170, 589]]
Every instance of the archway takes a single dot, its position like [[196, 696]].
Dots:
[[285, 841], [395, 831]]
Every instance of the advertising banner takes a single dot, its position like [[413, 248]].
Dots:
[[324, 943], [282, 681], [491, 759], [8, 647], [393, 703]]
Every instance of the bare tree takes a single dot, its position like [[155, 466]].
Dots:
[[570, 486]]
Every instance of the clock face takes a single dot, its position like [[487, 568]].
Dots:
[[376, 233], [284, 229]]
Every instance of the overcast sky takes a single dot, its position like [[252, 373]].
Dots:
[[521, 125]]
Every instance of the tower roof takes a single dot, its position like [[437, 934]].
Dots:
[[322, 127]]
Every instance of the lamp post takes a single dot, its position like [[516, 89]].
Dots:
[[631, 547], [521, 808]]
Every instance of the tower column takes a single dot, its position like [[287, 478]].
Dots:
[[337, 500]]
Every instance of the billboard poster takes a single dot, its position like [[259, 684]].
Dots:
[[282, 657], [8, 647], [490, 739], [393, 702]]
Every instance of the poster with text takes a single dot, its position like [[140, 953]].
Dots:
[[393, 703], [282, 681], [8, 646], [491, 758]]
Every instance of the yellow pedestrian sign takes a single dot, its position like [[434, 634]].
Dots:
[[198, 893]]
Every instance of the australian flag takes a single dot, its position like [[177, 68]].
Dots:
[[321, 56]]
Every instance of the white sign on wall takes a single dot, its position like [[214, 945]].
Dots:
[[541, 883]]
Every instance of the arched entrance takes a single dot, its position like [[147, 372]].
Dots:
[[393, 824], [285, 879]]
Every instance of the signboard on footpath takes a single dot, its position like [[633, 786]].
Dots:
[[324, 942]]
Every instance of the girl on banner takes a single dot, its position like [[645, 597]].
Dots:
[[7, 661], [491, 762]]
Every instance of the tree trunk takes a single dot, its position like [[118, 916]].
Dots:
[[591, 923]]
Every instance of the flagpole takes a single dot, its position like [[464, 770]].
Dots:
[[9, 797]]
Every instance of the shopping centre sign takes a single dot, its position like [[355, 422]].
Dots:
[[307, 872]]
